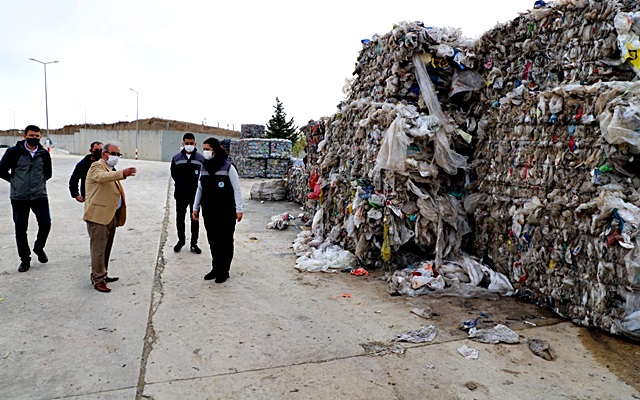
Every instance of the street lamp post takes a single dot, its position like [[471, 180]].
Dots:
[[85, 114], [136, 121], [14, 125], [46, 104]]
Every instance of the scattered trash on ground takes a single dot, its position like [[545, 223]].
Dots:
[[280, 222], [453, 278], [541, 348], [468, 352], [425, 313], [500, 333], [424, 334], [360, 272]]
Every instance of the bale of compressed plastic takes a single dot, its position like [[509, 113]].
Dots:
[[273, 190], [280, 148], [251, 167], [277, 167], [252, 131], [555, 200]]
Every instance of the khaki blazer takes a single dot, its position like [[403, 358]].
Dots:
[[103, 191]]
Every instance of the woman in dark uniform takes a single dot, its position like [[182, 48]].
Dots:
[[221, 200]]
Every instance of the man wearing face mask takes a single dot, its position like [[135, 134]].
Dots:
[[185, 171], [27, 167], [81, 169], [105, 209]]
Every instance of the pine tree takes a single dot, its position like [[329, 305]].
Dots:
[[278, 127]]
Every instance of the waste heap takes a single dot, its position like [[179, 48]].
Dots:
[[298, 189], [390, 176], [262, 158], [556, 201]]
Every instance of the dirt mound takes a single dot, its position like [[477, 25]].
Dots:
[[143, 124]]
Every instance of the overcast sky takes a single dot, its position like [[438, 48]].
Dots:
[[223, 63]]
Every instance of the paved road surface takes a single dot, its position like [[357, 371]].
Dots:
[[270, 332]]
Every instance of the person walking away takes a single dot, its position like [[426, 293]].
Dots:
[[105, 209], [220, 196], [27, 167], [81, 169], [185, 171]]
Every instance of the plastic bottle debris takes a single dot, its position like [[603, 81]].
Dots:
[[424, 334]]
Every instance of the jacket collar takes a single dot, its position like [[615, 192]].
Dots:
[[23, 143], [104, 165]]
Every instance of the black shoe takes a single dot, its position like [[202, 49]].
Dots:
[[42, 257], [110, 279], [222, 278], [211, 275], [195, 249], [178, 246], [24, 266]]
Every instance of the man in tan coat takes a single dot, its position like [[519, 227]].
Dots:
[[105, 209]]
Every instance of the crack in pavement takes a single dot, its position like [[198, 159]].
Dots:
[[70, 396], [157, 296], [327, 360]]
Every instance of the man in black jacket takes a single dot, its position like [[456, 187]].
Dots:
[[81, 169], [185, 171], [27, 167]]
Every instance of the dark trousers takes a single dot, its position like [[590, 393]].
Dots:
[[220, 235], [40, 208], [182, 205]]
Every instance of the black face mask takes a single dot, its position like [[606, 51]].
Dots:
[[97, 154], [31, 141]]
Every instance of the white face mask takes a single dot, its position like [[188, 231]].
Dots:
[[208, 154], [113, 160], [189, 148]]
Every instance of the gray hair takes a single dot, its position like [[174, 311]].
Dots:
[[107, 146]]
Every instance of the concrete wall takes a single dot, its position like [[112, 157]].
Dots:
[[172, 140], [10, 140], [152, 145]]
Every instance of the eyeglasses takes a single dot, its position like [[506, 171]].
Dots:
[[113, 153]]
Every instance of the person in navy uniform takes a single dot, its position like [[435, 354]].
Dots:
[[80, 172], [185, 171], [220, 197]]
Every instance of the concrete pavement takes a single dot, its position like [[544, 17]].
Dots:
[[269, 332]]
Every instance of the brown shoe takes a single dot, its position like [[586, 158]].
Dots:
[[102, 287]]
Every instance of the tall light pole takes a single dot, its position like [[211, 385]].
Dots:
[[85, 114], [14, 125], [136, 122], [46, 104]]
